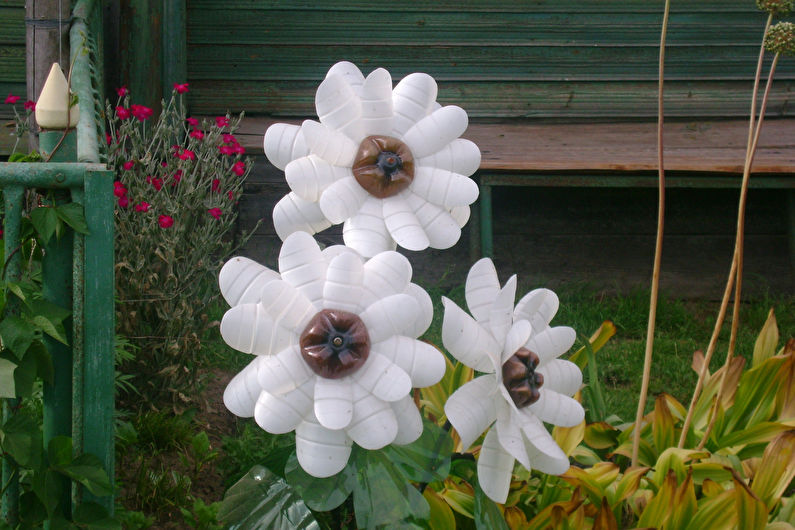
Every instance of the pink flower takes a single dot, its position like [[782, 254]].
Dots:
[[122, 91], [123, 113], [142, 206], [165, 221], [230, 195], [11, 99], [216, 186], [187, 154], [193, 122], [124, 202], [238, 149], [181, 88], [215, 212], [221, 121], [239, 168], [30, 105], [119, 190], [226, 150], [196, 133], [140, 112], [178, 175], [128, 165], [229, 138], [163, 163], [157, 183], [108, 139]]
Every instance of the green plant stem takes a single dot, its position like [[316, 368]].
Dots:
[[655, 279], [738, 248]]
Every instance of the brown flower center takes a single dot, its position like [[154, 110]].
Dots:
[[383, 166], [519, 377], [335, 343]]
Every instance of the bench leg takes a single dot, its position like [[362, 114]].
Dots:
[[486, 229]]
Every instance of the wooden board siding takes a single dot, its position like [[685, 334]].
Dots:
[[12, 64], [516, 58]]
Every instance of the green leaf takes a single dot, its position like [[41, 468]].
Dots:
[[95, 516], [17, 290], [7, 385], [766, 342], [20, 437], [25, 376], [441, 514], [44, 368], [487, 514], [72, 214], [320, 494], [262, 500], [31, 510], [17, 334], [59, 451], [87, 470], [427, 459], [45, 221], [54, 330]]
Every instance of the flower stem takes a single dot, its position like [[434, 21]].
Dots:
[[655, 279]]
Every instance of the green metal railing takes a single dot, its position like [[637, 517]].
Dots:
[[77, 270]]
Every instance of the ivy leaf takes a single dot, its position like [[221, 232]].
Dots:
[[8, 388], [427, 459], [72, 214], [17, 334], [263, 500], [87, 470], [320, 494], [45, 221]]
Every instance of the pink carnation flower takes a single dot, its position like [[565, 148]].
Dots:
[[221, 121], [187, 154], [165, 221], [142, 206], [128, 165], [157, 183], [215, 212], [238, 149], [181, 88], [122, 91], [230, 195], [229, 138], [140, 112], [196, 133], [30, 105], [123, 113], [124, 202], [119, 190], [11, 99], [216, 187], [226, 150], [239, 168], [193, 122]]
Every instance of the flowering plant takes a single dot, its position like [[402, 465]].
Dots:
[[21, 126], [175, 193]]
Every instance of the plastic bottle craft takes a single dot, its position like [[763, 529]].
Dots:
[[525, 383], [336, 355], [388, 163]]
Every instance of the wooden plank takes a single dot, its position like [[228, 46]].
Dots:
[[12, 63], [568, 100], [12, 25]]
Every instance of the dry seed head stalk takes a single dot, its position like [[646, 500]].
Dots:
[[777, 8], [780, 38]]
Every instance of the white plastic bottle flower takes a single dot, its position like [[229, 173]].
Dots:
[[336, 355], [524, 384], [388, 163]]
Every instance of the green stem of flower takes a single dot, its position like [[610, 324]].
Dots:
[[655, 279]]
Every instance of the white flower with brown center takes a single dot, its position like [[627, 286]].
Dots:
[[524, 385], [336, 355], [388, 163]]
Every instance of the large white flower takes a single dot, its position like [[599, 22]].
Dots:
[[387, 162], [525, 384], [335, 345]]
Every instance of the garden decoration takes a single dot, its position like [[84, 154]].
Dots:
[[388, 163]]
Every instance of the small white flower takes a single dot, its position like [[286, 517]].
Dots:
[[387, 162], [525, 384], [336, 355]]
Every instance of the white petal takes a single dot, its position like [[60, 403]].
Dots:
[[551, 342], [241, 280], [459, 156], [482, 287], [440, 227], [510, 434], [301, 264], [249, 328], [330, 145], [412, 99], [242, 392], [333, 402], [443, 187], [343, 287], [393, 315], [294, 214], [280, 414], [436, 130], [425, 315], [286, 305], [501, 313], [557, 409], [382, 378], [376, 96], [284, 143], [408, 419], [460, 214], [545, 454], [516, 338], [421, 361], [385, 274], [284, 372], [321, 452], [374, 424], [471, 410], [332, 251], [403, 225], [366, 231], [561, 376], [467, 341], [538, 306], [495, 467], [338, 106], [350, 72], [342, 200], [310, 175]]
